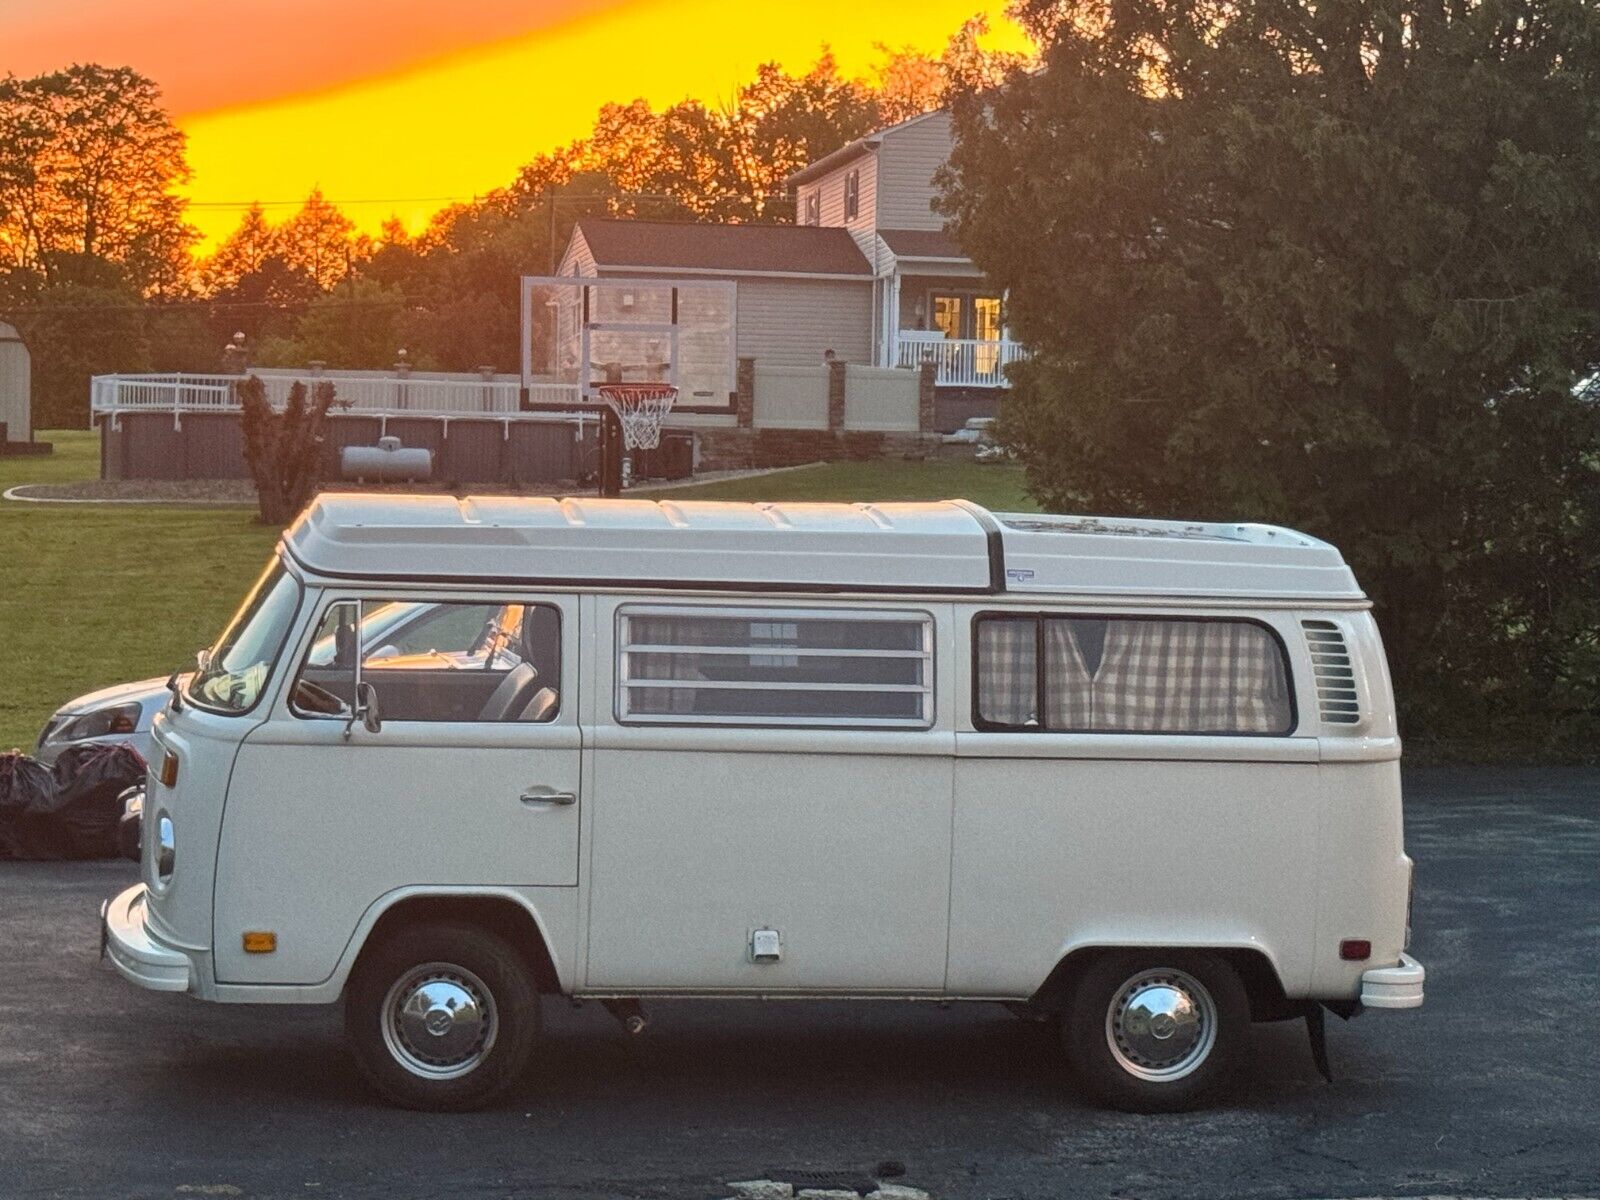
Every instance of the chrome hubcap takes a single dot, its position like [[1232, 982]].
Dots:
[[1161, 1025], [439, 1021]]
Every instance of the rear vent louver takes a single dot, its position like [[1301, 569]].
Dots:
[[1337, 699]]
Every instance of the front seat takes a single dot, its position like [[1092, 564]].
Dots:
[[543, 706], [512, 696]]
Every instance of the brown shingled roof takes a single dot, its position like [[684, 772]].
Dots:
[[787, 249], [921, 243]]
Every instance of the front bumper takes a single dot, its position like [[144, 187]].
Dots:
[[1399, 986], [137, 955]]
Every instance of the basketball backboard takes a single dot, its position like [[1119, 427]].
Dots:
[[581, 332]]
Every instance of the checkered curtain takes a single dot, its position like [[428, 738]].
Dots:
[[1069, 688], [1008, 670], [1190, 677]]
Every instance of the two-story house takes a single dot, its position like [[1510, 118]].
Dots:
[[867, 272]]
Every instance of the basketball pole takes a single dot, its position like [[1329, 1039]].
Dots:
[[611, 452]]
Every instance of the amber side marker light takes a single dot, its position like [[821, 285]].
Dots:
[[260, 942], [1355, 950], [168, 774]]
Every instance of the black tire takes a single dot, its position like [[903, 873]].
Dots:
[[458, 960], [1165, 1081]]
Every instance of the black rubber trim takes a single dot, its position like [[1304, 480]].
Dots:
[[996, 540]]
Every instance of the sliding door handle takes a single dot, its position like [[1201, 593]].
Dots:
[[544, 795]]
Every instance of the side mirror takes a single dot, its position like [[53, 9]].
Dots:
[[367, 707], [365, 710]]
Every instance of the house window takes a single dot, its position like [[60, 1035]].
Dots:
[[1062, 674], [813, 207], [852, 195], [729, 666]]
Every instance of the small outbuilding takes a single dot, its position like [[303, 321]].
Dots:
[[16, 387]]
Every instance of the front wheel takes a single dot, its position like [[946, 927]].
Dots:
[[1156, 1032], [441, 1016]]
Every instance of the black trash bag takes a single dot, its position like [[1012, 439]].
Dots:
[[90, 781], [27, 800]]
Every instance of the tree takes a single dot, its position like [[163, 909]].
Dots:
[[89, 164], [243, 253], [1331, 265], [284, 450], [87, 320], [318, 240], [780, 123], [353, 327]]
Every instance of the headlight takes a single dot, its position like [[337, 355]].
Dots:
[[166, 851], [101, 722]]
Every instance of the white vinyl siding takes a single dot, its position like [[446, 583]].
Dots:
[[578, 259], [787, 322], [831, 187], [790, 322], [906, 162]]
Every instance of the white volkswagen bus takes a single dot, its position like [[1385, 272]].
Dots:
[[1139, 777]]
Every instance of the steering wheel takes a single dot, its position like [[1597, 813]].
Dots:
[[313, 698]]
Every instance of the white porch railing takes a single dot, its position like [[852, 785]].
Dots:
[[363, 392], [959, 362]]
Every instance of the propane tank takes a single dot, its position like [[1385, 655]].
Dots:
[[387, 462]]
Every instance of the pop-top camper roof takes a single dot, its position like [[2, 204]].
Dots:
[[948, 546]]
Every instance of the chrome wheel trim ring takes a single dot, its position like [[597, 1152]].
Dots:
[[1161, 1025], [439, 1021]]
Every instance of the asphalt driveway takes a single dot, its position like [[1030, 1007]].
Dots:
[[1492, 1089]]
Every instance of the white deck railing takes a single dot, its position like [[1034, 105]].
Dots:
[[959, 362], [362, 392]]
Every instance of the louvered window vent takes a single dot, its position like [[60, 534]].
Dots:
[[1335, 674]]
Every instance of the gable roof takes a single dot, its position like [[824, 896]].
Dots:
[[921, 243], [749, 249], [855, 149]]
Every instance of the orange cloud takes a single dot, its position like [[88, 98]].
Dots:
[[208, 56]]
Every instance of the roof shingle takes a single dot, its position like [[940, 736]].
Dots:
[[785, 249]]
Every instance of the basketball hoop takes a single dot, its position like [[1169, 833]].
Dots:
[[640, 409]]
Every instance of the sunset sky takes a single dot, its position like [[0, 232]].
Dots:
[[399, 106]]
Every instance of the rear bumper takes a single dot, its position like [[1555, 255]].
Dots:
[[1399, 986], [137, 955]]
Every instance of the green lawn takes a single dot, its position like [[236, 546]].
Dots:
[[98, 594], [92, 595]]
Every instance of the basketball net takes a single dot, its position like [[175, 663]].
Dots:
[[640, 408]]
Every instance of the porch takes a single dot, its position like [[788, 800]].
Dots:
[[958, 362], [953, 319]]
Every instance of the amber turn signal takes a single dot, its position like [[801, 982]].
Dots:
[[1355, 950], [260, 942], [169, 770]]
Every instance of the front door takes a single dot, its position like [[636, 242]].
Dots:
[[472, 778]]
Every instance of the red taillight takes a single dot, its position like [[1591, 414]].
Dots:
[[1355, 950]]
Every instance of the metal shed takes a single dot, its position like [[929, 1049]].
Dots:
[[16, 386]]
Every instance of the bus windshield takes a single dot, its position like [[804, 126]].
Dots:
[[231, 680]]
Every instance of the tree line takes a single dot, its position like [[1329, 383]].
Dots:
[[97, 256]]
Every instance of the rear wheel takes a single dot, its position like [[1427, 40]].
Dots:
[[441, 1016], [1155, 1032]]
